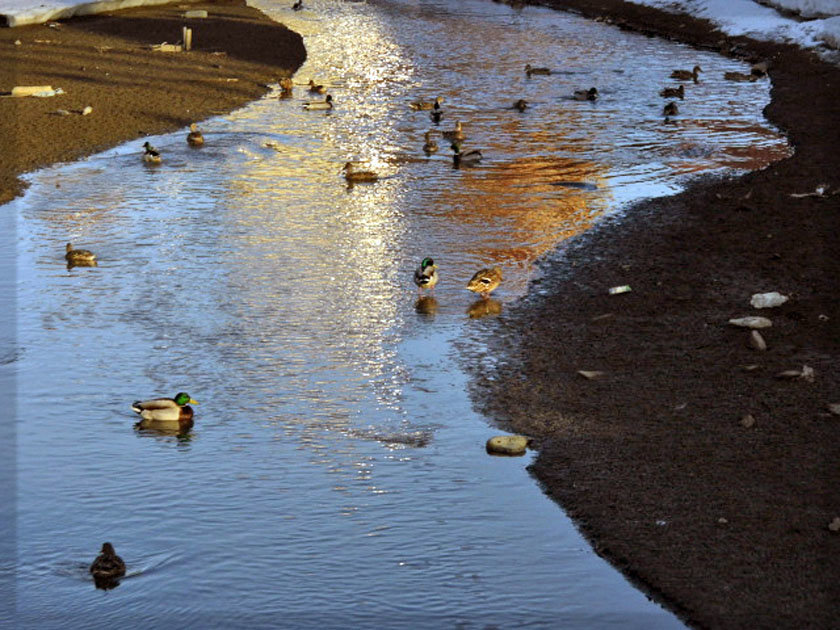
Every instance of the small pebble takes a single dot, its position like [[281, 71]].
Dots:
[[748, 420], [722, 521], [18, 42], [87, 110], [757, 341], [834, 525], [834, 408], [590, 374], [751, 322]]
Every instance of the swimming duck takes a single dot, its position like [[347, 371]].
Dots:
[[687, 75], [430, 146], [316, 89], [739, 76], [297, 6], [327, 103], [426, 105], [107, 567], [521, 105], [470, 158], [586, 95], [426, 276], [485, 280], [79, 257], [194, 137], [436, 115], [352, 175], [175, 409], [455, 134], [286, 86], [531, 71], [150, 154], [670, 92], [670, 109]]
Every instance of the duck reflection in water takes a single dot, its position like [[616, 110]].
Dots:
[[484, 307], [426, 305]]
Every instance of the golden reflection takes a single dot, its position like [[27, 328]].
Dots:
[[484, 307], [426, 305]]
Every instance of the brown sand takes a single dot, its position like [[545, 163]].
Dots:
[[727, 525], [104, 61]]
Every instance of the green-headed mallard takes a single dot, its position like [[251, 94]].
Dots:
[[670, 92], [485, 280], [529, 70], [521, 105], [430, 146], [327, 103], [107, 567], [79, 257], [352, 175], [687, 75], [150, 154], [670, 109], [460, 158], [455, 134], [195, 137], [426, 105], [317, 89], [586, 95], [426, 276], [175, 409]]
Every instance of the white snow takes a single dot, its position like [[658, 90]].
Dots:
[[808, 8], [20, 12]]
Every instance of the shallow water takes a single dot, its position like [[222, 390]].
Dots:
[[336, 473]]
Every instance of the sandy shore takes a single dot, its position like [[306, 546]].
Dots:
[[105, 62], [725, 524]]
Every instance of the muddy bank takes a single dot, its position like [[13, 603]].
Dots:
[[105, 61], [725, 524]]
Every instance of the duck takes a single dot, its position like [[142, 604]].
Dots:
[[426, 105], [760, 68], [739, 76], [316, 89], [151, 154], [431, 145], [484, 281], [352, 175], [327, 103], [670, 109], [297, 6], [687, 75], [470, 158], [79, 257], [107, 567], [195, 137], [426, 275], [454, 134], [521, 105], [532, 71], [166, 410], [436, 115], [670, 92], [286, 86], [586, 95]]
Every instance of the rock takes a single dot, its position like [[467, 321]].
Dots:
[[590, 374], [751, 321], [757, 341], [806, 373], [834, 408], [834, 525], [768, 300], [622, 289], [87, 110], [752, 367], [722, 520], [197, 13], [748, 420], [791, 374], [507, 445]]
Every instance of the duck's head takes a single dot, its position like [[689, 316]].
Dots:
[[455, 147], [438, 101], [347, 168], [521, 104], [193, 127], [69, 247], [697, 69], [527, 67], [108, 549], [147, 146], [592, 93], [328, 99], [182, 398], [427, 262]]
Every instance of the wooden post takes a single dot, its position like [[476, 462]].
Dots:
[[186, 37]]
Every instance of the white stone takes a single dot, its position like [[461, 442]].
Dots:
[[768, 300], [751, 322]]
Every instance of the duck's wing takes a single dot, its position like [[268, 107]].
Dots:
[[153, 404]]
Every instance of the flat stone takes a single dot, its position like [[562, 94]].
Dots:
[[751, 321], [834, 408], [507, 445], [590, 374], [757, 341], [748, 420], [768, 300], [834, 525]]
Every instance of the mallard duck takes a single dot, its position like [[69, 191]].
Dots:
[[107, 567], [194, 137], [532, 71], [327, 103], [586, 95], [521, 105], [352, 175], [687, 75], [316, 89], [670, 109], [286, 87], [470, 158], [430, 145], [436, 115], [79, 257], [455, 134], [297, 6], [426, 275], [739, 76], [175, 409], [150, 154], [670, 92], [485, 281], [426, 105]]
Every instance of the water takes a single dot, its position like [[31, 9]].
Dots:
[[336, 475]]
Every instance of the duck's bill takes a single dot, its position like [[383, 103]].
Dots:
[[193, 402]]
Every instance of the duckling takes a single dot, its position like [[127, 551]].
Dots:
[[586, 95], [670, 109], [107, 567], [532, 71], [297, 6], [521, 105], [327, 104], [431, 145], [165, 410], [316, 89], [79, 257], [687, 75], [352, 175], [470, 158], [670, 92], [455, 134], [151, 154], [426, 105], [739, 76], [426, 275], [194, 137], [436, 115], [286, 86], [485, 281]]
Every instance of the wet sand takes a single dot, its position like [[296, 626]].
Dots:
[[725, 524]]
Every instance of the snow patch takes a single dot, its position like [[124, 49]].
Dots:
[[20, 12]]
